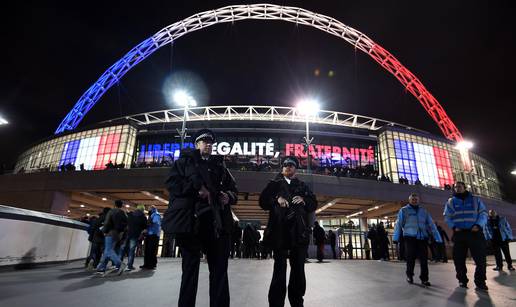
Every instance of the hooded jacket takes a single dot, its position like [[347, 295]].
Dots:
[[136, 224]]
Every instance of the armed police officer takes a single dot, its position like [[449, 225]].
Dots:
[[415, 225], [289, 201], [202, 192], [466, 214]]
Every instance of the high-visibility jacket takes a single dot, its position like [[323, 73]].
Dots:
[[463, 214], [505, 230], [414, 221]]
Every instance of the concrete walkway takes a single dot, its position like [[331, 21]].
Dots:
[[336, 283]]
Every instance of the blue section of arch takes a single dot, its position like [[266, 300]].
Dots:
[[106, 81]]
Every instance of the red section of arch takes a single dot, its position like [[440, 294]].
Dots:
[[416, 88]]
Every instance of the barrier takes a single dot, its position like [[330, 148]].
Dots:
[[29, 237]]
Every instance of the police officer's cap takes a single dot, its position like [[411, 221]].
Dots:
[[204, 134], [290, 160]]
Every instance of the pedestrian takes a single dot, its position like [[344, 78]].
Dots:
[[136, 224], [383, 242], [333, 243], [236, 238], [114, 227], [152, 234], [289, 202], [202, 191], [416, 226], [367, 249], [466, 215], [373, 236], [499, 232], [319, 239], [441, 247], [249, 239], [401, 248]]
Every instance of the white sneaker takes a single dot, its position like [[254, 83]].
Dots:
[[121, 269]]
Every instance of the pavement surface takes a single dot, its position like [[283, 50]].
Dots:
[[332, 283]]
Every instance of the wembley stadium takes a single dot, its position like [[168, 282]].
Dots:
[[362, 169]]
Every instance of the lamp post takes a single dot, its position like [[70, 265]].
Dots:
[[185, 100], [308, 108]]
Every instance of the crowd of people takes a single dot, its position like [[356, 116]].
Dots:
[[473, 227], [116, 233]]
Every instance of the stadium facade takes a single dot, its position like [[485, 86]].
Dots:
[[259, 137]]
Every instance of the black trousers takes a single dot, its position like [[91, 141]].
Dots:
[[334, 252], [504, 247], [320, 252], [475, 242], [235, 249], [217, 254], [415, 248], [297, 279], [441, 252], [95, 254], [150, 259]]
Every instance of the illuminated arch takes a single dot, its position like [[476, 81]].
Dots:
[[261, 12]]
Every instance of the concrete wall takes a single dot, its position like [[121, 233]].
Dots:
[[28, 237], [49, 191]]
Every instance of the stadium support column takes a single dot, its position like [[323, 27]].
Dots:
[[308, 141]]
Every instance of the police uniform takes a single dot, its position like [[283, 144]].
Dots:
[[461, 213], [192, 220], [288, 234]]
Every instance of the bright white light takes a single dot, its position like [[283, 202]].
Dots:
[[104, 199], [87, 214], [82, 206], [308, 107], [156, 197], [3, 121], [68, 211], [184, 99], [464, 145], [513, 172], [127, 206]]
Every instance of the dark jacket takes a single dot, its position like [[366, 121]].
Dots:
[[115, 224], [186, 209], [236, 236], [136, 223], [319, 235], [98, 235], [332, 238], [287, 227]]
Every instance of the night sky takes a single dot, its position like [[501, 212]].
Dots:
[[462, 51]]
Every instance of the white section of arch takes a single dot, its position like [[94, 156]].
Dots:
[[261, 113]]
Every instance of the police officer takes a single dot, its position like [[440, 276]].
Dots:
[[467, 216], [416, 226], [289, 202], [202, 192], [499, 231]]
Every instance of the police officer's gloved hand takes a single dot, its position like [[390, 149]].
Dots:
[[298, 200], [282, 202]]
